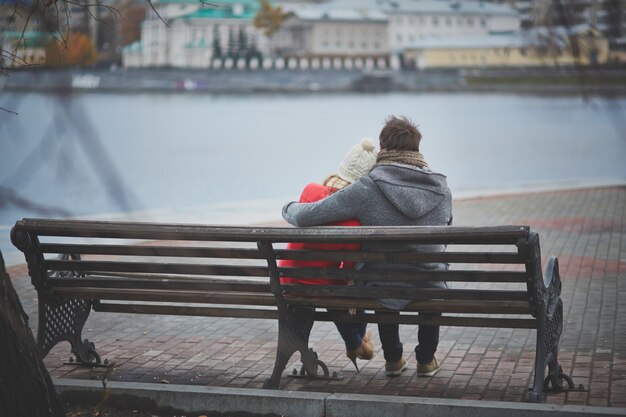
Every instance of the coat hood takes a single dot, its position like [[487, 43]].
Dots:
[[412, 191]]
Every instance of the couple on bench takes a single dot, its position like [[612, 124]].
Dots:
[[394, 187]]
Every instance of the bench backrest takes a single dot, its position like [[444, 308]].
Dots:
[[493, 270], [494, 275]]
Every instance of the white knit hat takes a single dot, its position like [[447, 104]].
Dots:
[[359, 160]]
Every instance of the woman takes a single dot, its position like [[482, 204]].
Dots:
[[358, 161]]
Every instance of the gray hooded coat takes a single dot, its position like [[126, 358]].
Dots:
[[390, 195]]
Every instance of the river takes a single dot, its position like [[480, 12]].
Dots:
[[237, 158]]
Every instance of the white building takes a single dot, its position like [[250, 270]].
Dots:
[[337, 30], [411, 20], [332, 32], [196, 35]]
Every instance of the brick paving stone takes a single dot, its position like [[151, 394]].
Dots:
[[585, 229]]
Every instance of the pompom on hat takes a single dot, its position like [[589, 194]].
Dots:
[[359, 160]]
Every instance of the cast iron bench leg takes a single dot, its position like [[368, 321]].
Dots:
[[548, 336], [64, 319], [294, 328]]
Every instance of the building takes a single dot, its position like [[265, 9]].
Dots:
[[330, 32], [196, 35], [411, 20], [386, 28], [21, 49], [17, 50], [581, 45], [608, 16]]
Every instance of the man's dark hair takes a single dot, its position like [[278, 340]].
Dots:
[[399, 134]]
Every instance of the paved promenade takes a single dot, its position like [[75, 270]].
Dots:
[[586, 229]]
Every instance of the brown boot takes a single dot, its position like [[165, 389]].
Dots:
[[365, 351], [368, 351]]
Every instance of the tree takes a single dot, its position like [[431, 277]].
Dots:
[[217, 43], [253, 51], [269, 18], [77, 51], [133, 14], [25, 385], [243, 42], [232, 44], [615, 10]]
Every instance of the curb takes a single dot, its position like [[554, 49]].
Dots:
[[190, 399], [357, 405]]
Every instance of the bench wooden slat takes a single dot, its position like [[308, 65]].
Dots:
[[160, 283], [153, 267], [248, 313], [141, 275], [478, 295], [451, 257], [319, 316], [167, 296], [151, 231], [508, 323], [449, 275], [412, 277], [139, 250], [435, 306]]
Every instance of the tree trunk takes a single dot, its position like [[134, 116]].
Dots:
[[26, 389]]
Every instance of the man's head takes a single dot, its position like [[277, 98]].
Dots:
[[399, 134]]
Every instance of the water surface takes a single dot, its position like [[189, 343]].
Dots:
[[220, 159]]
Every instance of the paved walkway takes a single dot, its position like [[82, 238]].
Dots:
[[586, 229]]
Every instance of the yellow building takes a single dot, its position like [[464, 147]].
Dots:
[[581, 45]]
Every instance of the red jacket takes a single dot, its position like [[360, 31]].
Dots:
[[312, 193]]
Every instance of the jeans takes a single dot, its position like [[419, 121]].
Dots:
[[427, 337], [352, 333]]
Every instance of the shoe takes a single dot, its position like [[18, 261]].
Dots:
[[395, 368], [365, 351], [428, 369], [368, 349]]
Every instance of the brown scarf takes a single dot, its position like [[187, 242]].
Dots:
[[412, 158]]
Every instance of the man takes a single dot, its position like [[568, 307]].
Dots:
[[401, 190]]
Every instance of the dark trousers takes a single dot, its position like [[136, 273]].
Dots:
[[351, 333], [427, 338]]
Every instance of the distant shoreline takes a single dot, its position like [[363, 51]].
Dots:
[[584, 81]]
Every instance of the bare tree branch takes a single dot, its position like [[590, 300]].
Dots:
[[209, 4], [8, 111], [9, 197], [30, 15], [565, 21], [157, 13]]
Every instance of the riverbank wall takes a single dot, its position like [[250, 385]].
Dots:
[[601, 81]]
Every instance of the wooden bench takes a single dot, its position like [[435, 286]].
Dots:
[[495, 280]]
